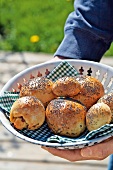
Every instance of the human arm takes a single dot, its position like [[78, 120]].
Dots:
[[88, 35], [88, 31]]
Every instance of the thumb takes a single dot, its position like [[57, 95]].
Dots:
[[99, 151]]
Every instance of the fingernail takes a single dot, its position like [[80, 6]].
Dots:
[[43, 147], [86, 152]]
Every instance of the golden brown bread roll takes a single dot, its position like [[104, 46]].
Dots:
[[108, 99], [27, 112], [65, 117], [98, 115], [40, 87], [66, 86], [91, 90]]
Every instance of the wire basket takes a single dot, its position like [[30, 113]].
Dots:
[[55, 70]]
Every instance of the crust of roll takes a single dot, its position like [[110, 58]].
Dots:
[[98, 115], [66, 86], [27, 112], [92, 89], [108, 99], [66, 117], [40, 87]]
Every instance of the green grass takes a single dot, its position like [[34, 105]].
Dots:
[[21, 19], [110, 51]]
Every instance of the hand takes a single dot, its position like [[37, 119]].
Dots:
[[56, 58], [96, 152]]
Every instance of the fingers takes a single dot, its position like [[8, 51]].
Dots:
[[77, 155], [96, 152], [99, 151], [70, 155], [56, 58]]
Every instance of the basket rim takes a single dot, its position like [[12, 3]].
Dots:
[[46, 64], [91, 63]]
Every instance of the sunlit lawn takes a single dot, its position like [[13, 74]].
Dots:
[[34, 25]]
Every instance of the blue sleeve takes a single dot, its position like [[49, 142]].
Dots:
[[88, 31]]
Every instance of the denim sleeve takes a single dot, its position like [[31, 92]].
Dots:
[[88, 31]]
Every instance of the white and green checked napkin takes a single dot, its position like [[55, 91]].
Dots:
[[63, 69], [44, 133]]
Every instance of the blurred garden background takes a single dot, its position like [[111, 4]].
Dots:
[[34, 25]]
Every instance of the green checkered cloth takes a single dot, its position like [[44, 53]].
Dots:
[[63, 69], [8, 99], [44, 133]]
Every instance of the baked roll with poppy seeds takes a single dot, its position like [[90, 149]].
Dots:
[[108, 99], [91, 90], [27, 112], [98, 115], [66, 87], [65, 117], [40, 87]]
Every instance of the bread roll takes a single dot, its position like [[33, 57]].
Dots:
[[40, 87], [98, 115], [91, 90], [27, 112], [108, 99], [66, 117], [66, 86]]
